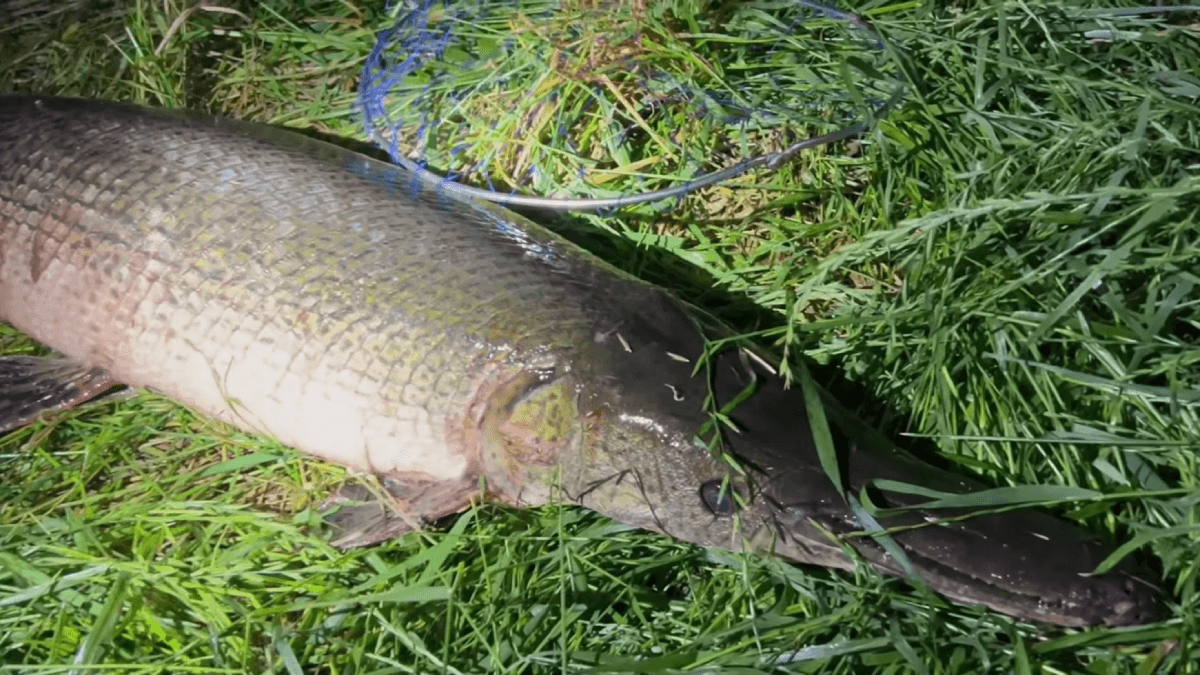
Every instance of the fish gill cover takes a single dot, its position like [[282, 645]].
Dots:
[[626, 113]]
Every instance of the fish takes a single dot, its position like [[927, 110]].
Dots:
[[293, 288]]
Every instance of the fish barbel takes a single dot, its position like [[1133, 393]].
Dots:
[[292, 288]]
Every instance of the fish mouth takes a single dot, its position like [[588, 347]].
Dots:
[[1022, 562]]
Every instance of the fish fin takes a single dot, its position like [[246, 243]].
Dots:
[[357, 516], [32, 385]]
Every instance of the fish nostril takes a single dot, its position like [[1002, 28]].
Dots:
[[717, 496]]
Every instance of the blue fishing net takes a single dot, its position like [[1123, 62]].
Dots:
[[598, 104]]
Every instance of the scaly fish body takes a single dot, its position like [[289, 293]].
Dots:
[[299, 290]]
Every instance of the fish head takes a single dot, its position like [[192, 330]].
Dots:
[[717, 449], [660, 430]]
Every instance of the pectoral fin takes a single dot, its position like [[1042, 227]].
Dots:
[[31, 385], [356, 516]]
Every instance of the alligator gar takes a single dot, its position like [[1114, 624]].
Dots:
[[292, 288]]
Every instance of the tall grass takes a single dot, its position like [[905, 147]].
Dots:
[[1007, 268]]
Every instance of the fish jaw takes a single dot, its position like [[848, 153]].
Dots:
[[1023, 562]]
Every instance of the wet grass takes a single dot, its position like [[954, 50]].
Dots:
[[1005, 271]]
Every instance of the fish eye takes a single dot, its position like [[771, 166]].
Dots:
[[717, 496]]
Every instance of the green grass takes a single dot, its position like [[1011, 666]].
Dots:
[[1009, 264]]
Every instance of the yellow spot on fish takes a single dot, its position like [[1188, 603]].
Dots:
[[543, 418]]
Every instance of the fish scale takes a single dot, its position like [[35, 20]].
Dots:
[[299, 290], [216, 284]]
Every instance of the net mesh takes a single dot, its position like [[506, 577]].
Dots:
[[593, 103]]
